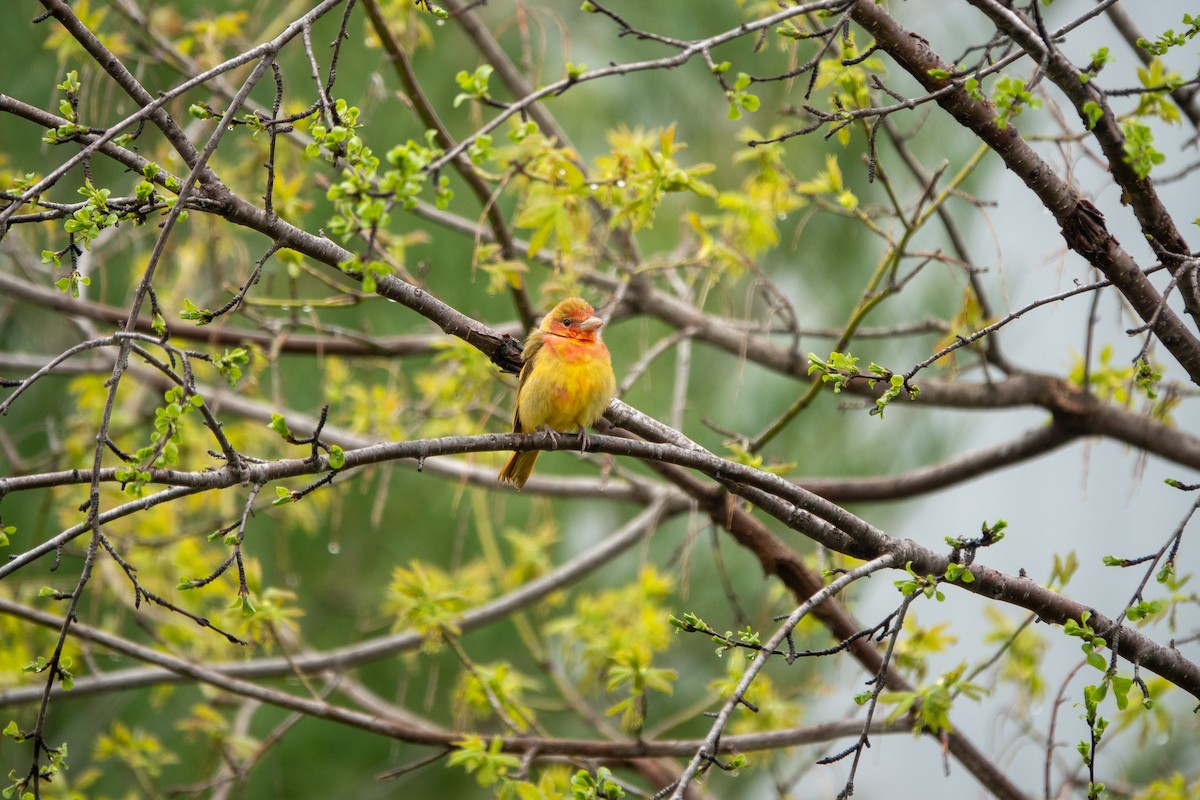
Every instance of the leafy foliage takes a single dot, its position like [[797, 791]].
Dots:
[[263, 277]]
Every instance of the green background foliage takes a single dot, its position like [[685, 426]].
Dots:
[[658, 189]]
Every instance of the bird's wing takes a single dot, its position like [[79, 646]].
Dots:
[[533, 346]]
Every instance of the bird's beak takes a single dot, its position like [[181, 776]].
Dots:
[[591, 324]]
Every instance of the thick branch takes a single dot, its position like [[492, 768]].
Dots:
[[1083, 228], [780, 560], [337, 341], [1076, 411], [940, 476], [1137, 191]]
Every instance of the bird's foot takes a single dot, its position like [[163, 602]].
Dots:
[[584, 440], [551, 433]]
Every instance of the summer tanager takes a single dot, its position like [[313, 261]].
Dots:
[[566, 382]]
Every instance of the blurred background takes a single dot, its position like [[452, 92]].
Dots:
[[337, 551]]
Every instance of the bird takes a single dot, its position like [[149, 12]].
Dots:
[[566, 380]]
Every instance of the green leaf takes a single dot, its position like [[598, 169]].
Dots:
[[1144, 609], [245, 604], [192, 312], [337, 457], [1140, 152], [280, 426], [1121, 687]]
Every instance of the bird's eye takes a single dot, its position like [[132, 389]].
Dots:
[[567, 322]]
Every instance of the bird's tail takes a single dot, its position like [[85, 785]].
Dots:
[[518, 467]]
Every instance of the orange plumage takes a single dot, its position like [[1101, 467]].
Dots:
[[566, 382]]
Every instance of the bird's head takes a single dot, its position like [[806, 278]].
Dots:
[[573, 318]]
